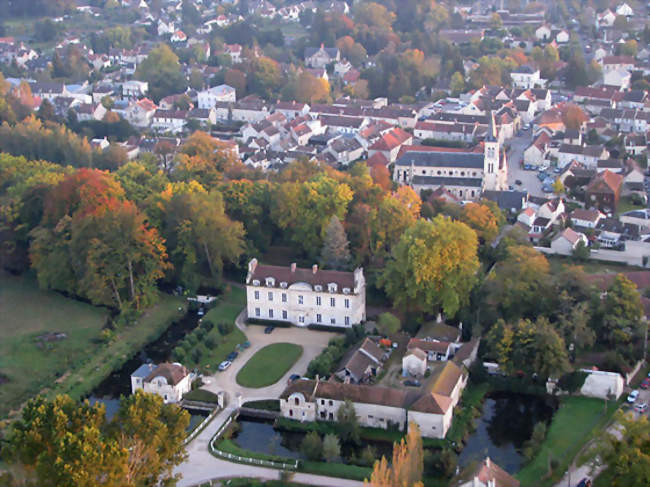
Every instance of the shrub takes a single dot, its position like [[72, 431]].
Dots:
[[533, 445], [368, 456], [206, 325], [573, 381], [225, 328], [331, 447], [210, 342], [200, 334], [388, 324], [312, 446]]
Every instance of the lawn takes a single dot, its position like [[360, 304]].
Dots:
[[74, 364], [558, 263], [573, 425], [269, 364], [28, 312], [228, 306]]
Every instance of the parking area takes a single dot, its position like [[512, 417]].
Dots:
[[643, 398], [313, 343], [516, 173]]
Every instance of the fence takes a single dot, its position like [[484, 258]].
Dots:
[[201, 426], [248, 460]]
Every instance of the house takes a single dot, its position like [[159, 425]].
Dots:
[[90, 111], [173, 121], [625, 10], [305, 296], [134, 89], [178, 36], [414, 362], [526, 76], [567, 241], [390, 143], [537, 153], [321, 57], [379, 407], [140, 114], [167, 380], [292, 109], [435, 350], [234, 51], [614, 63], [588, 155], [604, 191], [465, 174], [362, 363], [617, 77], [605, 18], [510, 202], [344, 149], [585, 218], [222, 93], [485, 474], [543, 32]]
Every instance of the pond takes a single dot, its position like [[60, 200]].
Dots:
[[260, 436], [506, 422]]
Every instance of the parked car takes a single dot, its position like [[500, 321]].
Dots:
[[585, 482], [293, 378], [527, 167], [412, 383], [557, 170], [526, 126], [246, 344], [632, 397], [232, 356], [224, 365], [641, 408], [269, 329], [547, 189], [645, 384], [518, 182]]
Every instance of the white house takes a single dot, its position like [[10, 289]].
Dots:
[[173, 121], [526, 77], [305, 296], [543, 32], [625, 10], [485, 474], [169, 381], [222, 93], [585, 218], [414, 362], [140, 113], [134, 88], [567, 241]]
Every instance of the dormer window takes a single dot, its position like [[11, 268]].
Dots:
[[346, 290], [332, 287], [283, 285], [256, 282], [270, 282], [318, 288]]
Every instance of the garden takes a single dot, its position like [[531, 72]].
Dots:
[[269, 364]]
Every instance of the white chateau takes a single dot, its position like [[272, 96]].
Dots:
[[465, 174], [305, 296]]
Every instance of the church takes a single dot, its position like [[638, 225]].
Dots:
[[463, 173]]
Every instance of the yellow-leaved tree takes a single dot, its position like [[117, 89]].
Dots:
[[407, 466]]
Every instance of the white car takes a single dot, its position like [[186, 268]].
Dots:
[[641, 408], [632, 397], [224, 365]]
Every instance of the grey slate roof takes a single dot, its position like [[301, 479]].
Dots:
[[143, 371], [447, 181], [470, 160]]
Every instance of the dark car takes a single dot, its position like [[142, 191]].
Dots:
[[645, 384], [293, 377], [246, 344], [232, 356], [518, 182], [412, 383], [269, 329], [586, 482]]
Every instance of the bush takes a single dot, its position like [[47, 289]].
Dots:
[[275, 323], [225, 328], [573, 381], [201, 395], [533, 445], [368, 456], [388, 324], [206, 325], [331, 447], [335, 329], [265, 404], [312, 446]]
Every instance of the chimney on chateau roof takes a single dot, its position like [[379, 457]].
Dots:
[[314, 268], [293, 267]]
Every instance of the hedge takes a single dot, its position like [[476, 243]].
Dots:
[[274, 323]]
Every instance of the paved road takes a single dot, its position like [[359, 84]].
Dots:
[[200, 465], [515, 156]]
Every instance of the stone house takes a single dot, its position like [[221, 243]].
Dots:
[[321, 57], [485, 474], [567, 241], [305, 296], [168, 380], [362, 363], [604, 191]]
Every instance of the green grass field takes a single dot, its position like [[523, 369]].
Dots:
[[28, 312], [573, 425], [269, 364], [74, 365], [228, 307]]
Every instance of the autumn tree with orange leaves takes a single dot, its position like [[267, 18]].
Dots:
[[407, 466]]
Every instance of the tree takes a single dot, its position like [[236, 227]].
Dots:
[[407, 466], [331, 447], [558, 187], [162, 70], [627, 452], [622, 312], [581, 252], [348, 422], [312, 446], [433, 266], [335, 253], [307, 88], [152, 433], [573, 117], [236, 79], [457, 83], [388, 324], [480, 218]]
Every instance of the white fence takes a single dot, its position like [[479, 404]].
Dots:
[[240, 459], [200, 427]]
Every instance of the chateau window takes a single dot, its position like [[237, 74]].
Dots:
[[270, 313], [347, 321], [297, 401], [347, 303], [332, 302], [284, 297], [270, 296], [257, 311], [301, 319], [257, 295], [300, 299], [333, 321], [318, 301], [319, 318], [284, 314], [439, 173]]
